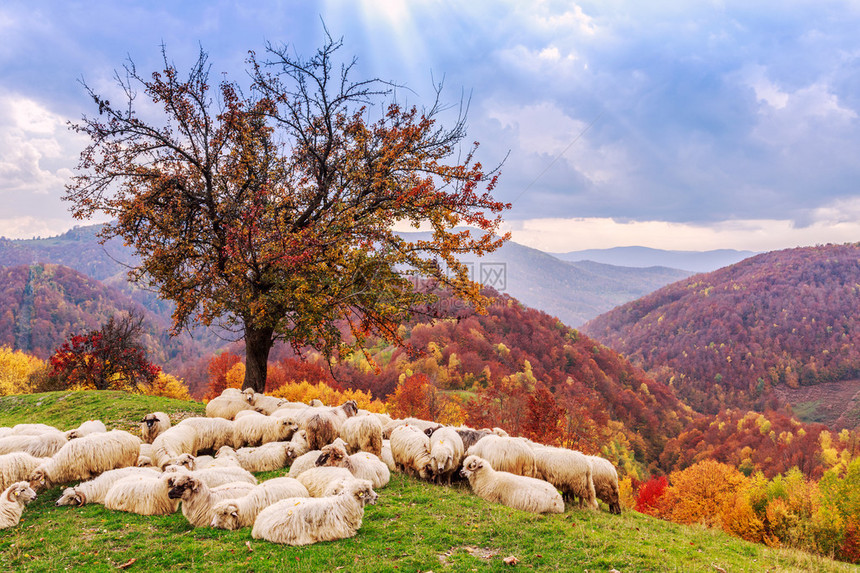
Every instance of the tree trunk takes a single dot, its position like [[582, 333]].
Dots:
[[258, 343]]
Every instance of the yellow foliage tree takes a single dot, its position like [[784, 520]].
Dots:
[[167, 386], [236, 375], [305, 392], [18, 371], [702, 493]]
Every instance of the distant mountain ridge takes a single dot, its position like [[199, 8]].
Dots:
[[694, 261]]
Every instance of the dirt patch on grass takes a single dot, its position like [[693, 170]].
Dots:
[[836, 404], [484, 553]]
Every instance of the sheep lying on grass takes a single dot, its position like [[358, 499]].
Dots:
[[86, 428], [12, 503], [303, 463], [446, 453], [95, 490], [386, 456], [87, 457], [606, 483], [362, 465], [265, 404], [212, 433], [198, 499], [227, 406], [260, 429], [17, 466], [172, 443], [143, 495], [569, 471], [42, 445], [519, 492], [320, 481], [268, 457], [241, 512], [152, 425], [214, 476], [303, 521]]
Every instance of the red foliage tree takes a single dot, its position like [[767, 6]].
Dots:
[[544, 422], [415, 397], [650, 493], [218, 368]]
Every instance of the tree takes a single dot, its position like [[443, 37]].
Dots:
[[273, 212], [108, 358]]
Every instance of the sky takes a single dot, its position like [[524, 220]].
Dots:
[[673, 125]]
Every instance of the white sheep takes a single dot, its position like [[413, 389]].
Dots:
[[212, 433], [569, 471], [298, 445], [386, 455], [241, 512], [606, 482], [268, 457], [142, 494], [303, 521], [362, 434], [33, 429], [226, 406], [87, 457], [42, 445], [423, 425], [144, 458], [12, 503], [214, 476], [258, 430], [152, 425], [410, 448], [172, 443], [363, 465], [323, 427], [513, 455], [319, 481], [303, 463], [516, 491], [17, 466], [470, 436], [198, 499], [446, 453], [266, 404], [86, 428], [95, 490]]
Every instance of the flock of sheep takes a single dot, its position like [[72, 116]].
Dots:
[[338, 457]]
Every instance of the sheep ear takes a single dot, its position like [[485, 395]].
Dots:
[[12, 495], [234, 513]]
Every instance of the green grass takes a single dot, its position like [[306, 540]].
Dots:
[[415, 526], [808, 411]]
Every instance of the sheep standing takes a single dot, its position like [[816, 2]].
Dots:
[[241, 512], [362, 434], [410, 448], [446, 453], [95, 490], [17, 466], [362, 465], [303, 521], [152, 425], [86, 428], [142, 494], [569, 471], [516, 491], [87, 457], [198, 499], [606, 483], [323, 427], [12, 503], [513, 455]]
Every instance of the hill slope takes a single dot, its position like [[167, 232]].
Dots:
[[729, 337], [693, 261]]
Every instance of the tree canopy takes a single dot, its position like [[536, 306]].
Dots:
[[275, 212]]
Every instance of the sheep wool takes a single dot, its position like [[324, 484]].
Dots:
[[95, 490], [605, 479], [142, 494], [362, 465], [12, 503], [42, 445], [198, 499], [362, 434], [227, 406], [17, 466], [446, 453], [320, 481], [241, 512], [569, 471], [513, 455], [516, 491], [86, 428], [87, 457], [152, 425], [303, 521], [268, 457], [303, 463], [258, 430], [410, 448], [173, 442], [212, 433]]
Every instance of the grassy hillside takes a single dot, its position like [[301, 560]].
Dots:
[[414, 527]]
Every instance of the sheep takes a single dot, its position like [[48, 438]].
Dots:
[[258, 430], [226, 407], [446, 453], [243, 413], [410, 448], [302, 521], [569, 471], [605, 479], [198, 499], [471, 436], [268, 457], [516, 491], [95, 490], [204, 462], [362, 433], [320, 480], [299, 444], [216, 475], [422, 425], [265, 404], [362, 465], [86, 428], [241, 512], [386, 456], [323, 426], [12, 503], [212, 433], [173, 442], [152, 425], [143, 495], [17, 466], [303, 463], [42, 445], [33, 429], [512, 455], [87, 457]]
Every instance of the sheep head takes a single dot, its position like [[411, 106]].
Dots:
[[286, 428], [39, 479], [185, 460], [350, 408], [471, 465], [72, 497], [332, 455], [20, 492], [150, 420], [225, 515], [182, 486], [72, 434], [362, 491]]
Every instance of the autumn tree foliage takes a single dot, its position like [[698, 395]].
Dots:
[[218, 367], [20, 373], [110, 357], [271, 209]]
